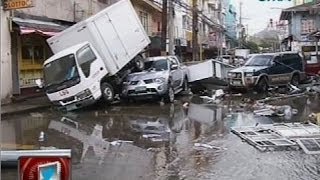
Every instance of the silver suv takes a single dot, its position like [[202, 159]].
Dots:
[[163, 77]]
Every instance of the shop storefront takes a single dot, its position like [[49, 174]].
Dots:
[[29, 51]]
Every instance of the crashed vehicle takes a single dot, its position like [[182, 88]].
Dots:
[[268, 69], [163, 77]]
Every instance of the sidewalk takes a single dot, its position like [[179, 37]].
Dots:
[[25, 105]]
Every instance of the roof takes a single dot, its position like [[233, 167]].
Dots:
[[65, 52], [286, 13], [27, 26]]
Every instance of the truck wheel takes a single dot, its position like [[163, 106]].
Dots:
[[169, 96], [295, 80], [139, 63], [262, 85], [107, 92]]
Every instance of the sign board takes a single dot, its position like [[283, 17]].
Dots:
[[17, 4]]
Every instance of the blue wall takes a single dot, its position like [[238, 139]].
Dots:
[[295, 26], [231, 18]]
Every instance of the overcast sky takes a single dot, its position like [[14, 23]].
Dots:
[[259, 12]]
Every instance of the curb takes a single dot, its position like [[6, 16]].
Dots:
[[29, 109]]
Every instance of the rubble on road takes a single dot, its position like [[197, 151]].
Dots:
[[285, 111], [216, 98], [208, 146], [281, 136]]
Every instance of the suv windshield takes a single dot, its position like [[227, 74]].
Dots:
[[259, 60], [158, 65], [60, 70]]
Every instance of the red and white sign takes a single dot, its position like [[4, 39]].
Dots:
[[41, 168]]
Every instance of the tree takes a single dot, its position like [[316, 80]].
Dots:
[[254, 48]]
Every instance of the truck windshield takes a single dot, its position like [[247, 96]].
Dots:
[[259, 60], [60, 70], [159, 65]]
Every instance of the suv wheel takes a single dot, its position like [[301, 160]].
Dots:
[[262, 85], [169, 97], [295, 80]]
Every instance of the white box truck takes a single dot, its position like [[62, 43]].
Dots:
[[92, 57]]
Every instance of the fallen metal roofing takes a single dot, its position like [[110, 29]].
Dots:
[[282, 136]]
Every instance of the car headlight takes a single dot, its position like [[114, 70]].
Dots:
[[231, 75], [159, 80], [248, 74], [83, 94]]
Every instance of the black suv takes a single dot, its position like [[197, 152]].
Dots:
[[268, 69]]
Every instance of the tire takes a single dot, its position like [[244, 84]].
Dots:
[[262, 85], [295, 80], [139, 63], [107, 92], [169, 96]]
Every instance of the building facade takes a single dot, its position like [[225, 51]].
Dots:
[[301, 23], [299, 2]]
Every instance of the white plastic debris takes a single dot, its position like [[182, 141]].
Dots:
[[287, 112], [264, 112], [41, 136], [207, 146], [118, 142]]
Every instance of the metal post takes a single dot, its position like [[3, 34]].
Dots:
[[171, 28], [164, 27], [195, 45], [240, 22]]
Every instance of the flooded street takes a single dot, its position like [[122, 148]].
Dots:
[[150, 141]]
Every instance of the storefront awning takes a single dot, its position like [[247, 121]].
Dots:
[[44, 28]]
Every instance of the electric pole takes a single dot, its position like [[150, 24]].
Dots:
[[195, 45], [240, 24], [164, 28], [171, 28]]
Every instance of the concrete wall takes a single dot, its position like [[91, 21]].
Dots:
[[67, 10], [6, 74]]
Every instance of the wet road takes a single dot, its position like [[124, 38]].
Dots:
[[162, 141]]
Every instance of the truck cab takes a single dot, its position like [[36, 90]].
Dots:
[[72, 77]]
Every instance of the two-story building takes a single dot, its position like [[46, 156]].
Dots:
[[24, 33], [303, 20]]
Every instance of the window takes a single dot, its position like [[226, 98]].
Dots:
[[85, 57], [307, 26], [144, 20]]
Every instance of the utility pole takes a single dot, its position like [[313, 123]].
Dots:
[[240, 24], [171, 28], [164, 28], [195, 45]]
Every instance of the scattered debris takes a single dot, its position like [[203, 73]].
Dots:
[[118, 142], [41, 137], [279, 136], [208, 146], [186, 105]]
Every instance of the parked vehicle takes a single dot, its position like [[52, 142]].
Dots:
[[164, 76], [242, 53], [312, 61], [263, 70], [93, 57]]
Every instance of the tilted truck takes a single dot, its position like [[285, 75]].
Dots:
[[93, 57]]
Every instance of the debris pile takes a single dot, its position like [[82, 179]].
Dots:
[[282, 136]]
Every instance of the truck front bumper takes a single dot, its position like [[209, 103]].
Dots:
[[243, 83]]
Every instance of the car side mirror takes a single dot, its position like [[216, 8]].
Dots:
[[174, 67], [39, 83]]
